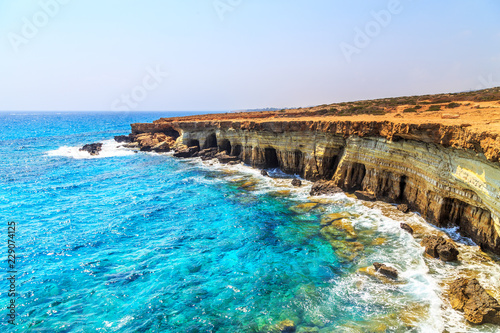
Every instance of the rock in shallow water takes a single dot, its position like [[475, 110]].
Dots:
[[123, 138], [438, 247], [286, 326], [386, 270], [296, 182], [478, 306], [407, 228], [92, 148]]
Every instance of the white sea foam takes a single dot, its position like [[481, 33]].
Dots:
[[110, 148]]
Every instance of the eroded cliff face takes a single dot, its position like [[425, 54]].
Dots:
[[447, 174]]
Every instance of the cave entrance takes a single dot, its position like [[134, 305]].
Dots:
[[211, 141], [225, 145], [193, 143], [402, 187], [354, 177], [271, 158], [331, 162], [172, 133], [236, 151]]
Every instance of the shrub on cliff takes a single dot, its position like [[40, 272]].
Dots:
[[453, 105], [434, 108], [409, 110]]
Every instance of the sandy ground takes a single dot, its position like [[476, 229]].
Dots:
[[477, 116]]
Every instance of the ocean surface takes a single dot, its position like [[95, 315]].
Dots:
[[144, 242]]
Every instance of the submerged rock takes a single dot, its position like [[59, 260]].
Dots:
[[286, 326], [264, 173], [386, 270], [406, 227], [303, 208], [322, 187], [478, 306], [92, 148], [296, 182], [439, 247]]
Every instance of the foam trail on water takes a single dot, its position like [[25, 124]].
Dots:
[[110, 148]]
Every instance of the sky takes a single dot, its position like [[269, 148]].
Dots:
[[219, 55]]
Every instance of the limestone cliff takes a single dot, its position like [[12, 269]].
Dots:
[[448, 173]]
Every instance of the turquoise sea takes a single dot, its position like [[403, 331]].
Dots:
[[143, 242]]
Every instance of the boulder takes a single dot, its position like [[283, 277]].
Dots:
[[264, 173], [325, 187], [224, 158], [470, 297], [407, 228], [207, 154], [186, 152], [365, 195], [296, 182], [123, 138], [438, 247], [386, 270], [92, 148], [403, 208]]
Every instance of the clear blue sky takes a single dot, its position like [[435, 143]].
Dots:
[[236, 54]]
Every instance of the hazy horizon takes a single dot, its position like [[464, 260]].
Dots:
[[223, 55]]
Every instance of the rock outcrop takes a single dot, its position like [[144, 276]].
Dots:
[[406, 228], [325, 187], [470, 297], [386, 270], [92, 148], [124, 138], [438, 247]]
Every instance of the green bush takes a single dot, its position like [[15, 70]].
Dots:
[[435, 108], [453, 105], [409, 110], [417, 107]]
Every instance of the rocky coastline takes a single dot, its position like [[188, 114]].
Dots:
[[437, 170], [448, 173]]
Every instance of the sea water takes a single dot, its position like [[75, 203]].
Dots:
[[142, 242]]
